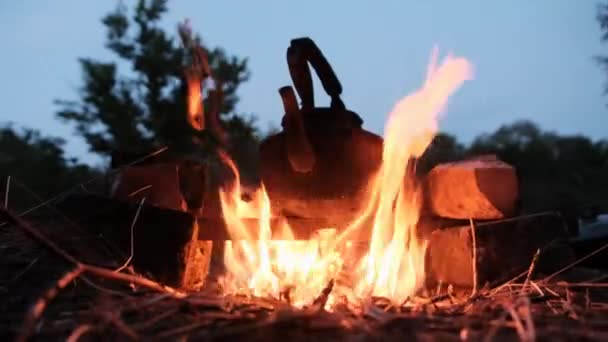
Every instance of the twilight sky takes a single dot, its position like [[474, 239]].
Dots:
[[533, 59]]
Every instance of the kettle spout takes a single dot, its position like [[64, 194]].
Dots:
[[299, 151]]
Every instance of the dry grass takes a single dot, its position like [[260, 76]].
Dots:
[[58, 283]]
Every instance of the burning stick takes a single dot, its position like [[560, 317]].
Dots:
[[196, 113], [195, 74], [320, 301]]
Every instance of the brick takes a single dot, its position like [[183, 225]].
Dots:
[[481, 189], [497, 251], [159, 184]]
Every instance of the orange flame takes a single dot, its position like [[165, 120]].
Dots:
[[260, 264], [195, 100]]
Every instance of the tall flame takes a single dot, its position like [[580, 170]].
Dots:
[[258, 263]]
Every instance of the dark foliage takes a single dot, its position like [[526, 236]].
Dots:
[[602, 18], [39, 163], [143, 108]]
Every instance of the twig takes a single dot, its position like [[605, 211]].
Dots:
[[531, 332], [7, 189], [540, 292], [156, 319], [79, 332], [143, 188], [497, 289], [474, 241], [171, 334], [24, 270], [496, 324], [38, 308], [101, 288], [52, 208], [519, 327], [79, 268], [576, 262], [111, 172], [141, 203], [148, 302], [320, 301], [38, 236], [132, 279], [517, 218], [586, 284], [553, 293], [99, 271], [555, 312], [123, 327], [530, 270], [593, 280], [568, 304]]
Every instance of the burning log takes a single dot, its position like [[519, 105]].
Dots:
[[160, 241], [491, 252], [173, 246], [158, 184], [164, 181], [193, 184], [481, 189], [320, 164]]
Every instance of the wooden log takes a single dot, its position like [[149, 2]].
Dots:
[[176, 247], [159, 184], [165, 242], [166, 179], [481, 189], [491, 252], [172, 246], [214, 228]]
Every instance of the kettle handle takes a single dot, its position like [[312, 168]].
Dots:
[[301, 52]]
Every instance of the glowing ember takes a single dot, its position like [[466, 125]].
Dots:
[[393, 264]]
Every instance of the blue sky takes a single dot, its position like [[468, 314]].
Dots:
[[533, 59]]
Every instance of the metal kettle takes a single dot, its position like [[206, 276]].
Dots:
[[320, 164]]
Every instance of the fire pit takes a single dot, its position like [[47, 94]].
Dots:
[[340, 237]]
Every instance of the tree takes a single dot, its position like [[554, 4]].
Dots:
[[22, 155], [555, 171], [444, 148], [521, 144], [602, 18], [144, 109]]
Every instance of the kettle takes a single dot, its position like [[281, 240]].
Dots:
[[320, 164]]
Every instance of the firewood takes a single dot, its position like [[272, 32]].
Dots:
[[165, 242], [159, 184], [479, 189], [491, 252]]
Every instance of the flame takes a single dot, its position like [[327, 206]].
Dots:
[[195, 100], [260, 264]]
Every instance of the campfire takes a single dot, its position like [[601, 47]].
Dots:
[[340, 232], [391, 265]]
